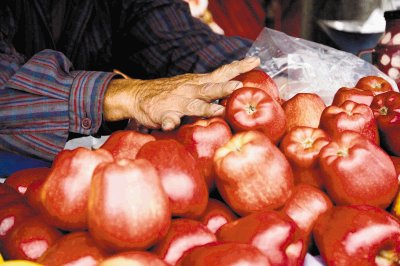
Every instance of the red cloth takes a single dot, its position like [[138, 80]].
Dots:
[[245, 18]]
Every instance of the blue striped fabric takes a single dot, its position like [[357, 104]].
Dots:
[[41, 101]]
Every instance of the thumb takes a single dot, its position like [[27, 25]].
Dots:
[[170, 121]]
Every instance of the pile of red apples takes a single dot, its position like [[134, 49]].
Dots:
[[265, 184]]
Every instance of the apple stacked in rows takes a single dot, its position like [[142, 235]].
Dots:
[[263, 185]]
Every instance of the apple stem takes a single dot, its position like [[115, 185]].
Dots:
[[377, 85], [250, 109], [383, 110], [307, 143], [387, 257], [343, 152]]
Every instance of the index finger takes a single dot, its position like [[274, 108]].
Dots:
[[229, 71]]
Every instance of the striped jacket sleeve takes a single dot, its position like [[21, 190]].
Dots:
[[42, 100]]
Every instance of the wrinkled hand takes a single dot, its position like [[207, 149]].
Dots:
[[163, 102]]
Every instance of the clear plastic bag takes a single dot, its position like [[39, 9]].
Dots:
[[298, 65]]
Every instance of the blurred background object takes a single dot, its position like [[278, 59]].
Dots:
[[199, 9], [245, 18], [349, 25]]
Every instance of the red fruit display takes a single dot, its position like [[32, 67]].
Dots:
[[375, 84], [242, 178], [303, 109], [257, 78], [301, 146], [386, 108], [32, 194], [183, 235], [20, 180], [6, 189], [77, 248], [64, 193], [216, 215], [253, 109], [11, 215], [358, 235], [273, 233], [396, 162], [356, 171], [305, 205], [125, 144], [9, 196], [180, 177], [350, 116], [127, 208], [202, 138], [227, 254], [30, 239], [131, 258], [395, 209], [162, 135], [353, 94]]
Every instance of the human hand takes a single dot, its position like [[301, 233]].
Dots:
[[163, 102]]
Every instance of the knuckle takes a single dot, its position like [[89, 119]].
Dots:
[[195, 106], [206, 90]]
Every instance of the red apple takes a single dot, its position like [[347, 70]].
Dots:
[[180, 177], [242, 178], [257, 78], [20, 180], [32, 194], [9, 195], [77, 248], [10, 216], [273, 233], [358, 235], [128, 208], [353, 94], [64, 193], [202, 138], [227, 254], [396, 162], [125, 144], [6, 189], [356, 171], [305, 205], [163, 135], [375, 84], [216, 215], [132, 258], [254, 109], [30, 239], [350, 116], [386, 108], [303, 109], [301, 146], [183, 235]]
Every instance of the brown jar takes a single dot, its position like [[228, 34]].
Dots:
[[386, 55]]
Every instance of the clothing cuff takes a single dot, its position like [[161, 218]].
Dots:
[[86, 101]]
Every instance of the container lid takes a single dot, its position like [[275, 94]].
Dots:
[[392, 14]]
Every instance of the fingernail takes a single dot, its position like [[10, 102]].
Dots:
[[217, 109], [167, 125], [236, 85]]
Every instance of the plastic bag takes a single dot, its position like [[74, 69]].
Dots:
[[298, 65]]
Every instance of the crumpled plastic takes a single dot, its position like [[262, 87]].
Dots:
[[301, 66]]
